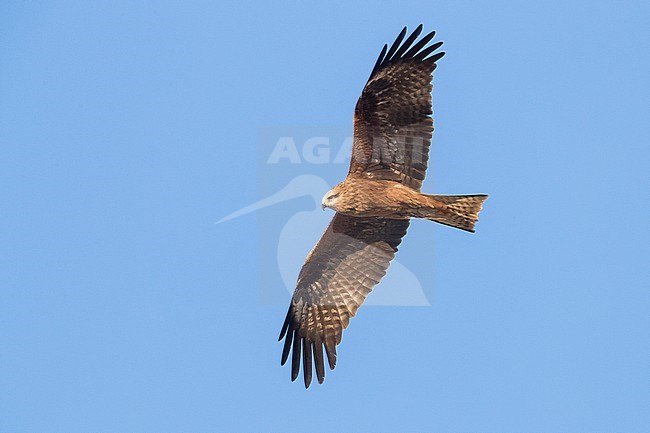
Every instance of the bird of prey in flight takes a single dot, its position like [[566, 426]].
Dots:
[[373, 205]]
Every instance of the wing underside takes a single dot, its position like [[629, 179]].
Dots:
[[392, 118], [347, 262]]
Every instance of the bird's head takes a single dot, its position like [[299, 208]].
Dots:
[[331, 197]]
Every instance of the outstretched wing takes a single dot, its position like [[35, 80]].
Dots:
[[346, 263], [392, 118]]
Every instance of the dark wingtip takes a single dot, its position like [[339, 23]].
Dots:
[[295, 356], [435, 58], [330, 350], [398, 50], [317, 349], [285, 325], [306, 361], [380, 59], [407, 43], [428, 50], [396, 44], [305, 351], [287, 348], [421, 43]]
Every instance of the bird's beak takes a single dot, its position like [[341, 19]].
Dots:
[[322, 205]]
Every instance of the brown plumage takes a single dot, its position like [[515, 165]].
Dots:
[[392, 133]]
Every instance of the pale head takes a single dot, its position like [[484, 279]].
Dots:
[[331, 198]]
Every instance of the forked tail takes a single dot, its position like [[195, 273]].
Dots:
[[460, 211]]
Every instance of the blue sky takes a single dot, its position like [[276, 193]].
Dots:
[[128, 129]]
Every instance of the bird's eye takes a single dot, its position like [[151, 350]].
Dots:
[[333, 196]]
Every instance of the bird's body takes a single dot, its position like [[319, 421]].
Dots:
[[357, 196], [373, 205]]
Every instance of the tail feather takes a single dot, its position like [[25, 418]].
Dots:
[[459, 211]]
